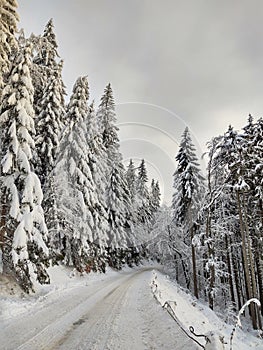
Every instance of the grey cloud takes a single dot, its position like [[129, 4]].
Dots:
[[200, 59]]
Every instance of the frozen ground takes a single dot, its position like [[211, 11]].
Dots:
[[112, 311]]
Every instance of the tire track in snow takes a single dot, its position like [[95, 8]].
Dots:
[[46, 326]]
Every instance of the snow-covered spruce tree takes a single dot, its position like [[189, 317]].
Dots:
[[144, 210], [81, 237], [155, 197], [189, 189], [8, 28], [45, 64], [117, 193], [131, 179], [98, 164], [48, 127], [47, 52], [23, 229], [8, 44]]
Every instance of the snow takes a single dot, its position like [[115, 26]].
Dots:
[[192, 312], [95, 311], [14, 206], [7, 162], [110, 311]]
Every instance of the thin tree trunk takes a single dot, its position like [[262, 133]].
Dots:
[[229, 268], [237, 282], [252, 268], [247, 273], [194, 262], [211, 266]]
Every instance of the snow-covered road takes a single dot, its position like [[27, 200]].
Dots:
[[115, 313]]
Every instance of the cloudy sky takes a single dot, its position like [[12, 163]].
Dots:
[[196, 63]]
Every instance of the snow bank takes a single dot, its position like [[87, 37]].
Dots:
[[192, 312]]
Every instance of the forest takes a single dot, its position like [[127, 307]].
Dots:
[[66, 197]]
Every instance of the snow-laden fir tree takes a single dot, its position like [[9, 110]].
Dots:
[[189, 188], [47, 52], [45, 64], [97, 164], [117, 193], [8, 28], [131, 179], [143, 196], [82, 234], [155, 196], [49, 124], [23, 229]]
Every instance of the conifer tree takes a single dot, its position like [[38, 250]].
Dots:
[[23, 229], [155, 197], [144, 210], [117, 192], [8, 28], [131, 179], [45, 65], [83, 235], [189, 186], [47, 53], [49, 124]]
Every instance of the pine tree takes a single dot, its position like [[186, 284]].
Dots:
[[189, 186], [23, 229], [8, 28]]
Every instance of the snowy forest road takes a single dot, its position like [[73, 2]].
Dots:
[[118, 313]]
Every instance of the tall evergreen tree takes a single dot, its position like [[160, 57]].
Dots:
[[117, 193], [144, 211], [82, 235], [189, 186], [23, 229]]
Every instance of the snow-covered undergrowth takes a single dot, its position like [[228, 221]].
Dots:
[[192, 312]]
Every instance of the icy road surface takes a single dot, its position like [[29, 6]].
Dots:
[[116, 313]]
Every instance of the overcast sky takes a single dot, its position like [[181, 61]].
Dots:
[[171, 63]]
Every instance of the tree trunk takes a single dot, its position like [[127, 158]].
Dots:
[[237, 281], [247, 263], [229, 269], [252, 267], [194, 263]]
